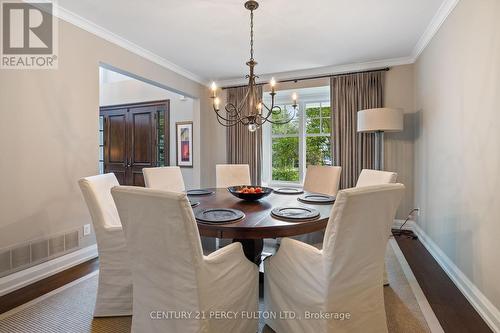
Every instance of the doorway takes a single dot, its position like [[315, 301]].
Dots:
[[135, 136]]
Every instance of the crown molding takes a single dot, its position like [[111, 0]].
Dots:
[[437, 21], [309, 73], [105, 34]]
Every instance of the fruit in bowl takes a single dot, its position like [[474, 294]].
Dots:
[[250, 193]]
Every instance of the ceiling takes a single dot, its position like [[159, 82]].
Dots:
[[210, 38]]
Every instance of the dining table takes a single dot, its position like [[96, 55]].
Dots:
[[258, 223]]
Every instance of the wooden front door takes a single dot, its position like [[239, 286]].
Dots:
[[135, 137]]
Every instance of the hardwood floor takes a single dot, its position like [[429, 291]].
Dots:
[[452, 309], [37, 289], [454, 312]]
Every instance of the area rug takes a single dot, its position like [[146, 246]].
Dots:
[[70, 308]]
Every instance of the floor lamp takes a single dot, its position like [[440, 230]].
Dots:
[[378, 121]]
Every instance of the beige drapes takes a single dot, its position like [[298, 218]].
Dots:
[[243, 146], [349, 94]]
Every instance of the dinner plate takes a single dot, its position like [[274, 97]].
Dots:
[[199, 192], [317, 198], [219, 215], [289, 190], [295, 213]]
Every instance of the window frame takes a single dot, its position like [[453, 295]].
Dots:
[[302, 134]]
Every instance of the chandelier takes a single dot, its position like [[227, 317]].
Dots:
[[258, 112]]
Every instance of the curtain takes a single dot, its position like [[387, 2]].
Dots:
[[351, 93], [243, 146]]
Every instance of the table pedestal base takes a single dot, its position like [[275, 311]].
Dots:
[[252, 249]]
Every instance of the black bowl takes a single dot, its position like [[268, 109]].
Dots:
[[249, 196]]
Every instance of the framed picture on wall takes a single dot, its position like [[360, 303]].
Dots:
[[184, 141]]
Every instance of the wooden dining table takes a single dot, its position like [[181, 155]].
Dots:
[[258, 222]]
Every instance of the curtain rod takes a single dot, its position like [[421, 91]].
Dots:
[[385, 69]]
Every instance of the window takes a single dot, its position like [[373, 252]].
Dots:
[[160, 130], [285, 147], [101, 144], [318, 137], [306, 140]]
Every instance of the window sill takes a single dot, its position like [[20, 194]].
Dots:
[[282, 184]]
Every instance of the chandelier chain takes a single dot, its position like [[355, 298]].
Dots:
[[251, 35]]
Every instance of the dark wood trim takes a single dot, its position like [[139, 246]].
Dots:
[[454, 312], [188, 122], [134, 105], [39, 288]]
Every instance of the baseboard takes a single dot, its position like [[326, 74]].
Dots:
[[476, 298], [408, 226], [33, 274]]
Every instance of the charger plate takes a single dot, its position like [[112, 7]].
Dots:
[[199, 192], [289, 190], [295, 213], [219, 215], [317, 198]]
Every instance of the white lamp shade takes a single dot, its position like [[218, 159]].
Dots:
[[380, 119]]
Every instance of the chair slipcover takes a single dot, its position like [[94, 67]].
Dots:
[[369, 177], [114, 291], [322, 179], [232, 175], [164, 178], [170, 272], [345, 276]]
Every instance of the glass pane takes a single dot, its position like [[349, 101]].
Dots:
[[289, 128], [101, 138], [101, 153], [318, 150], [286, 159], [101, 123], [313, 110], [325, 125], [325, 110], [313, 125], [101, 168], [161, 138]]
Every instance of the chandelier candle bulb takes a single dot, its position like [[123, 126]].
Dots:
[[216, 102], [214, 89], [273, 84]]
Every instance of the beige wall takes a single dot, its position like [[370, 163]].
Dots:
[[399, 151], [48, 133], [458, 142], [129, 90]]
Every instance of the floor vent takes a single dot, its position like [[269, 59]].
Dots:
[[37, 251]]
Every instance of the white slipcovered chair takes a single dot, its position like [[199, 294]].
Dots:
[[232, 175], [369, 177], [170, 272], [322, 179], [345, 276], [114, 291], [164, 178]]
